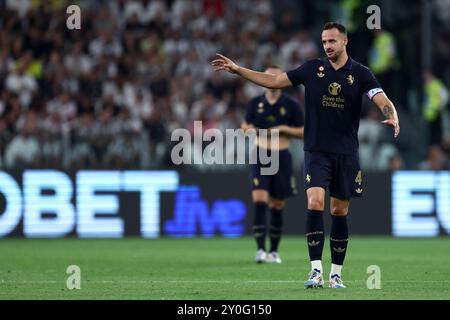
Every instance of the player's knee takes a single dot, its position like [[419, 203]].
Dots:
[[260, 196], [339, 211], [276, 204], [315, 204]]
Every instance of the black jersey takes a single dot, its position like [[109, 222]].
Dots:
[[285, 111], [333, 100]]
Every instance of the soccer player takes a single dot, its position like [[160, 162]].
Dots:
[[273, 110], [334, 86]]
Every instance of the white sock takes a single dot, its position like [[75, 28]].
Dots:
[[316, 264], [335, 269]]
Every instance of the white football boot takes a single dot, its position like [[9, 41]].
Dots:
[[336, 282], [261, 256], [315, 279], [273, 257]]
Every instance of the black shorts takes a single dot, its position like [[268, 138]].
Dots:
[[282, 184], [341, 173]]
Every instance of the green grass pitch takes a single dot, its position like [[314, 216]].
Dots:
[[216, 268]]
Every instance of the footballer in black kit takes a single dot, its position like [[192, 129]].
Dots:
[[334, 86], [272, 110], [332, 121]]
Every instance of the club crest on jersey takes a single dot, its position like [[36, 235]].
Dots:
[[260, 107], [334, 88], [350, 79], [321, 74], [282, 111]]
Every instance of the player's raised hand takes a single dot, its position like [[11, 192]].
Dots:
[[223, 63], [394, 124]]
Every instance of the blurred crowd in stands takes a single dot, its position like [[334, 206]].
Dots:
[[109, 95]]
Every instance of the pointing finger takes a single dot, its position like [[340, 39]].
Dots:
[[223, 57]]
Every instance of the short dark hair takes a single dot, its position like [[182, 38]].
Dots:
[[335, 25]]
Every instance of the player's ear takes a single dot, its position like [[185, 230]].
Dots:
[[345, 41]]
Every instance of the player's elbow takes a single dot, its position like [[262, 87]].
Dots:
[[275, 82], [279, 81]]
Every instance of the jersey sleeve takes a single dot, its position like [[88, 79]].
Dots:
[[298, 76], [370, 86], [297, 119]]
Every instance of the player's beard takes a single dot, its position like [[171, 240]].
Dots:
[[335, 56]]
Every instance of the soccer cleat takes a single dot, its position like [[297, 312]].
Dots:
[[261, 256], [315, 279], [336, 282], [273, 257]]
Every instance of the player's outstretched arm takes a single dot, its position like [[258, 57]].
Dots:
[[263, 79], [387, 108]]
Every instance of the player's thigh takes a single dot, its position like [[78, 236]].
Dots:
[[339, 207], [260, 184], [260, 195], [316, 198]]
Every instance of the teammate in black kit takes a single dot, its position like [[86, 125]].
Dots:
[[334, 86], [272, 110]]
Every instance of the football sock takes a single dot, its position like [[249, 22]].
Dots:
[[315, 234], [316, 264], [335, 269], [338, 239], [259, 224], [276, 225]]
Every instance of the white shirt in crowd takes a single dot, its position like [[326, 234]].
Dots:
[[21, 147]]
